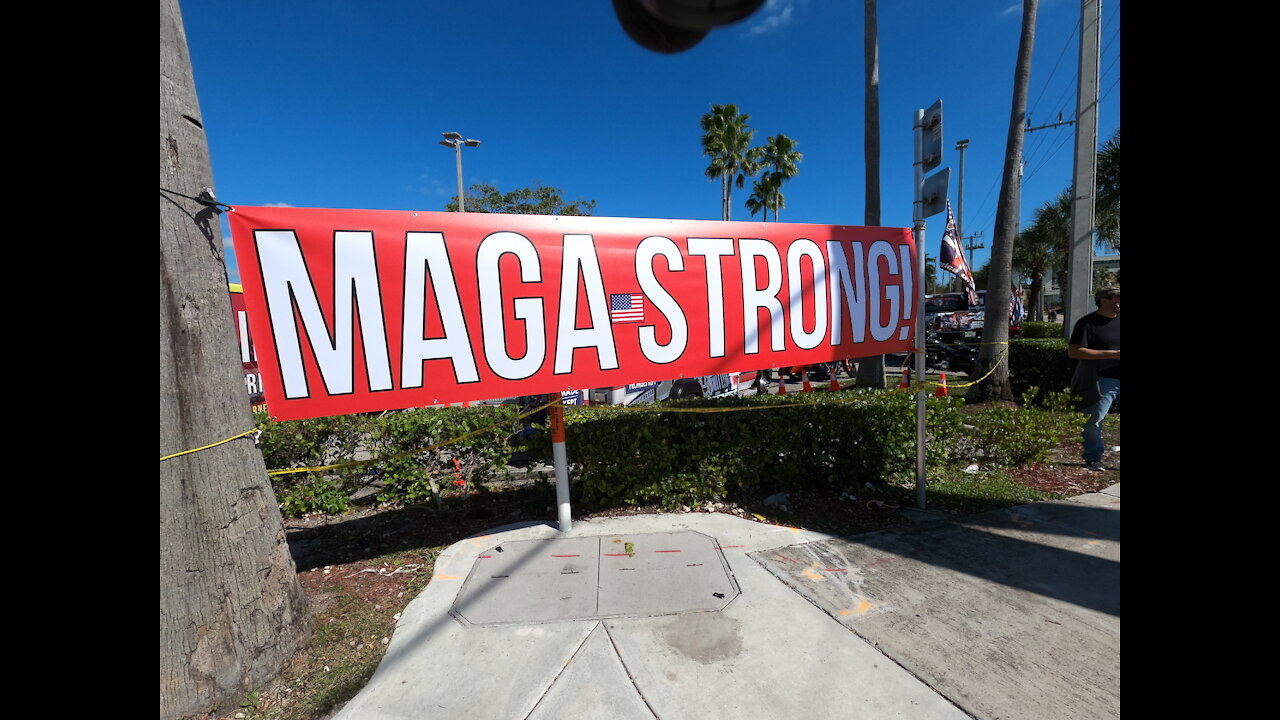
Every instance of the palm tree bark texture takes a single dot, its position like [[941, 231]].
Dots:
[[993, 355], [232, 613]]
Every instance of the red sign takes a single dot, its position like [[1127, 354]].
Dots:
[[364, 310], [252, 380]]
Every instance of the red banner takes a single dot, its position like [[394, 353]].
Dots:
[[252, 380], [365, 310]]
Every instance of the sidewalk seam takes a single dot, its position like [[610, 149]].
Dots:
[[630, 675], [869, 642], [552, 684]]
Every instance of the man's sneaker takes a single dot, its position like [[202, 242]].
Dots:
[[1095, 466]]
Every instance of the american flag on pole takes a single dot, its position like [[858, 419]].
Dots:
[[1016, 312], [626, 307], [952, 257]]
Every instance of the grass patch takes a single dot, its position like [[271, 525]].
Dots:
[[958, 491], [356, 608]]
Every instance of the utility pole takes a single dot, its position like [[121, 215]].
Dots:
[[969, 248], [955, 282], [960, 145], [1038, 303], [974, 244], [1084, 176]]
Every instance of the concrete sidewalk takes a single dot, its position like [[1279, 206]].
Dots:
[[1007, 614]]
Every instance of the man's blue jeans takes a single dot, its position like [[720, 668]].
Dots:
[[1110, 390]]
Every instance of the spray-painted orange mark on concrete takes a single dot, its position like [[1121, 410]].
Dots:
[[861, 609]]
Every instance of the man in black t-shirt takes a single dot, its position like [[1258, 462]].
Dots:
[[1095, 343]]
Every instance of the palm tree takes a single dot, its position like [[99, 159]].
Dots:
[[761, 197], [871, 369], [1107, 206], [995, 334], [1042, 248], [726, 139], [780, 154]]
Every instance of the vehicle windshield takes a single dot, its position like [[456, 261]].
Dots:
[[944, 303]]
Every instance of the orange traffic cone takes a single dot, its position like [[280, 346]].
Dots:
[[804, 377], [835, 384], [782, 383], [466, 403], [942, 386], [906, 379]]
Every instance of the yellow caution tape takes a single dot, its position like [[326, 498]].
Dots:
[[914, 386], [206, 447]]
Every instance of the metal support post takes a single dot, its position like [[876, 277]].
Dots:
[[919, 344], [561, 463]]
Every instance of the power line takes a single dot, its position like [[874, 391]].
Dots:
[[1049, 79], [1046, 160], [1113, 85]]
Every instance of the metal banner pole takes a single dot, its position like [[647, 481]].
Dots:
[[561, 462], [918, 231]]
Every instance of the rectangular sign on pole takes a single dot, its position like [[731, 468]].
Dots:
[[366, 310]]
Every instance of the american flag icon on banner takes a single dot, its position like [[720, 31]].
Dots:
[[626, 307]]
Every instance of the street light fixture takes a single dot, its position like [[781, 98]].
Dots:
[[455, 141]]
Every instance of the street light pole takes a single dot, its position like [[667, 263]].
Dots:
[[455, 141], [960, 145]]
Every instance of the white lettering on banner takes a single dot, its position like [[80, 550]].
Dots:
[[804, 247], [425, 256], [713, 249], [908, 295], [754, 298], [356, 278], [322, 341], [247, 354], [580, 261], [528, 309], [288, 285], [881, 249], [854, 291], [646, 251]]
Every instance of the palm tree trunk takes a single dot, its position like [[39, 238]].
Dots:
[[232, 612], [871, 369], [1037, 297], [995, 333], [728, 197], [724, 197]]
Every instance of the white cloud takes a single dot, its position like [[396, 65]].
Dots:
[[775, 15], [1014, 8], [279, 204]]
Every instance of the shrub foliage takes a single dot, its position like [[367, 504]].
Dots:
[[732, 447]]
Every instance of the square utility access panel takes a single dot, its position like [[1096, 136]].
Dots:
[[534, 581]]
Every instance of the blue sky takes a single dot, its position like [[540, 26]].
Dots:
[[340, 104]]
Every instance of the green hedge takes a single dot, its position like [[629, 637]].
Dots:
[[315, 442], [787, 443], [1040, 363], [401, 478], [421, 476], [1035, 330], [627, 457]]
